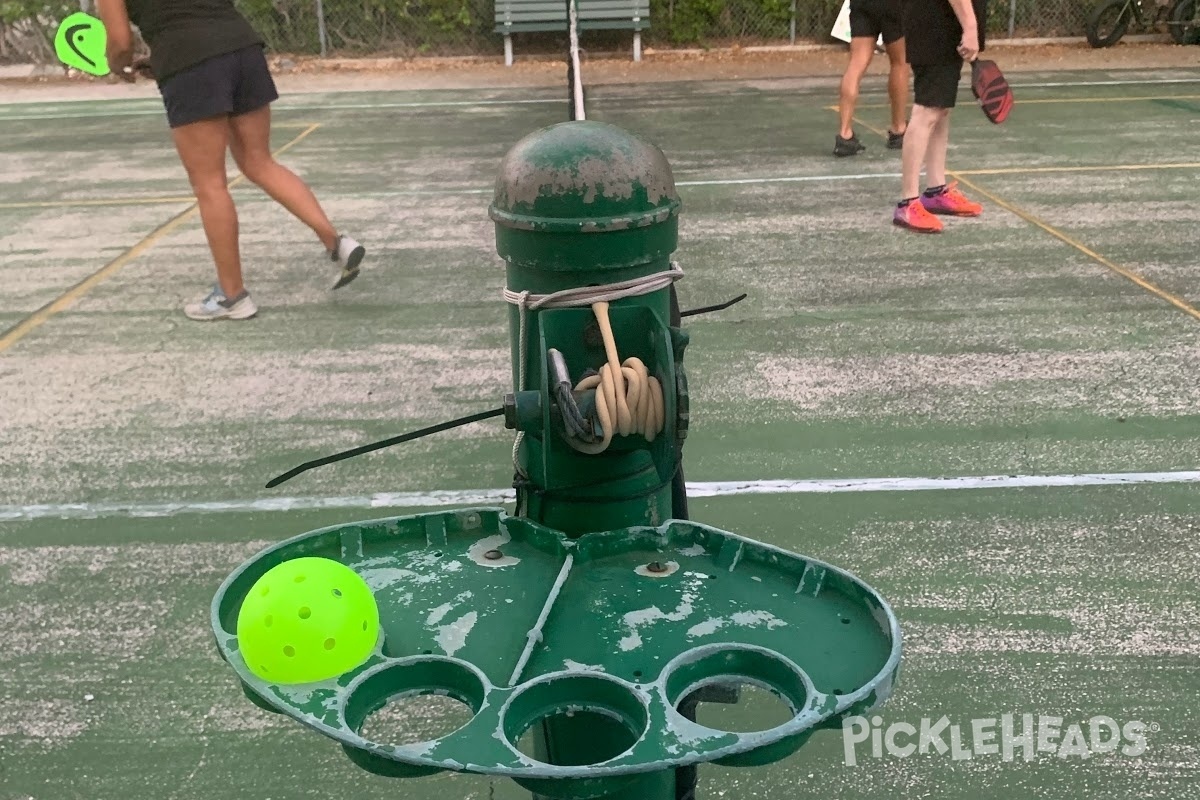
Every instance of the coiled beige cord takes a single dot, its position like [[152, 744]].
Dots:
[[629, 400], [594, 296]]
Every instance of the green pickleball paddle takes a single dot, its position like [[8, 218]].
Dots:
[[80, 43]]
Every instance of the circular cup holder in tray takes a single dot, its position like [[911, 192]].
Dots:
[[724, 665], [409, 678]]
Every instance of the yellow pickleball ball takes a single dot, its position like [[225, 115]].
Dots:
[[307, 619]]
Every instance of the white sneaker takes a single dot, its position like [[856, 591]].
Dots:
[[216, 306], [347, 254]]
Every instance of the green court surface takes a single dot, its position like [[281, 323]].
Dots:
[[840, 411]]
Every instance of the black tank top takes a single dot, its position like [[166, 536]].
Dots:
[[182, 33]]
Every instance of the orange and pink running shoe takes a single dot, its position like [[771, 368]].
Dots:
[[951, 202], [914, 217]]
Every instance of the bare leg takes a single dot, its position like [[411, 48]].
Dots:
[[201, 146], [898, 85], [251, 146], [916, 144], [862, 50], [935, 155]]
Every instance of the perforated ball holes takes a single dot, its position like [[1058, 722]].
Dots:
[[307, 619]]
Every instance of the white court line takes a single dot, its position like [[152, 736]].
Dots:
[[285, 106], [469, 497], [789, 179], [713, 182], [1146, 82]]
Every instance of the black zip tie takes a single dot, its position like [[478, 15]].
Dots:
[[721, 307], [367, 448]]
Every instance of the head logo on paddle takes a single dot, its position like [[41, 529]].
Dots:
[[80, 43]]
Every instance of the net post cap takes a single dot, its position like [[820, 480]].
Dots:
[[583, 177]]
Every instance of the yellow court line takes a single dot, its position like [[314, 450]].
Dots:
[[1031, 170], [870, 127], [69, 297], [1178, 302], [1098, 168], [116, 201], [1124, 272]]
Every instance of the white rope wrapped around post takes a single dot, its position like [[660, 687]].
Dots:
[[628, 399]]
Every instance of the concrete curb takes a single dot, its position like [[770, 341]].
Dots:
[[19, 71]]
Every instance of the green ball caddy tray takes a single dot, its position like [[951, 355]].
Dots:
[[522, 623]]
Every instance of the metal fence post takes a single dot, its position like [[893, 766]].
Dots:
[[793, 27], [1012, 18], [321, 34]]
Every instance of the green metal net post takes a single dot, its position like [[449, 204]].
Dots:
[[581, 631], [585, 204]]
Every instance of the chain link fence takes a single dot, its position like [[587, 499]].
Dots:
[[412, 28]]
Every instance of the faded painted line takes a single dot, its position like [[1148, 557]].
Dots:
[[1125, 272], [284, 106], [443, 192], [997, 171], [102, 114], [116, 201], [1102, 168], [700, 489], [1058, 100], [871, 128], [72, 295], [1144, 82], [257, 196], [788, 179]]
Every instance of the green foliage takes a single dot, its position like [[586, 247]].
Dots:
[[365, 25], [411, 27], [694, 21], [16, 10]]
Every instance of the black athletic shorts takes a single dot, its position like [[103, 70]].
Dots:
[[936, 85], [870, 18], [230, 84]]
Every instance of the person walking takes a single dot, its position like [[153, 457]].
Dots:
[[939, 36], [217, 89], [870, 19]]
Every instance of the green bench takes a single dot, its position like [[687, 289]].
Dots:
[[526, 16]]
